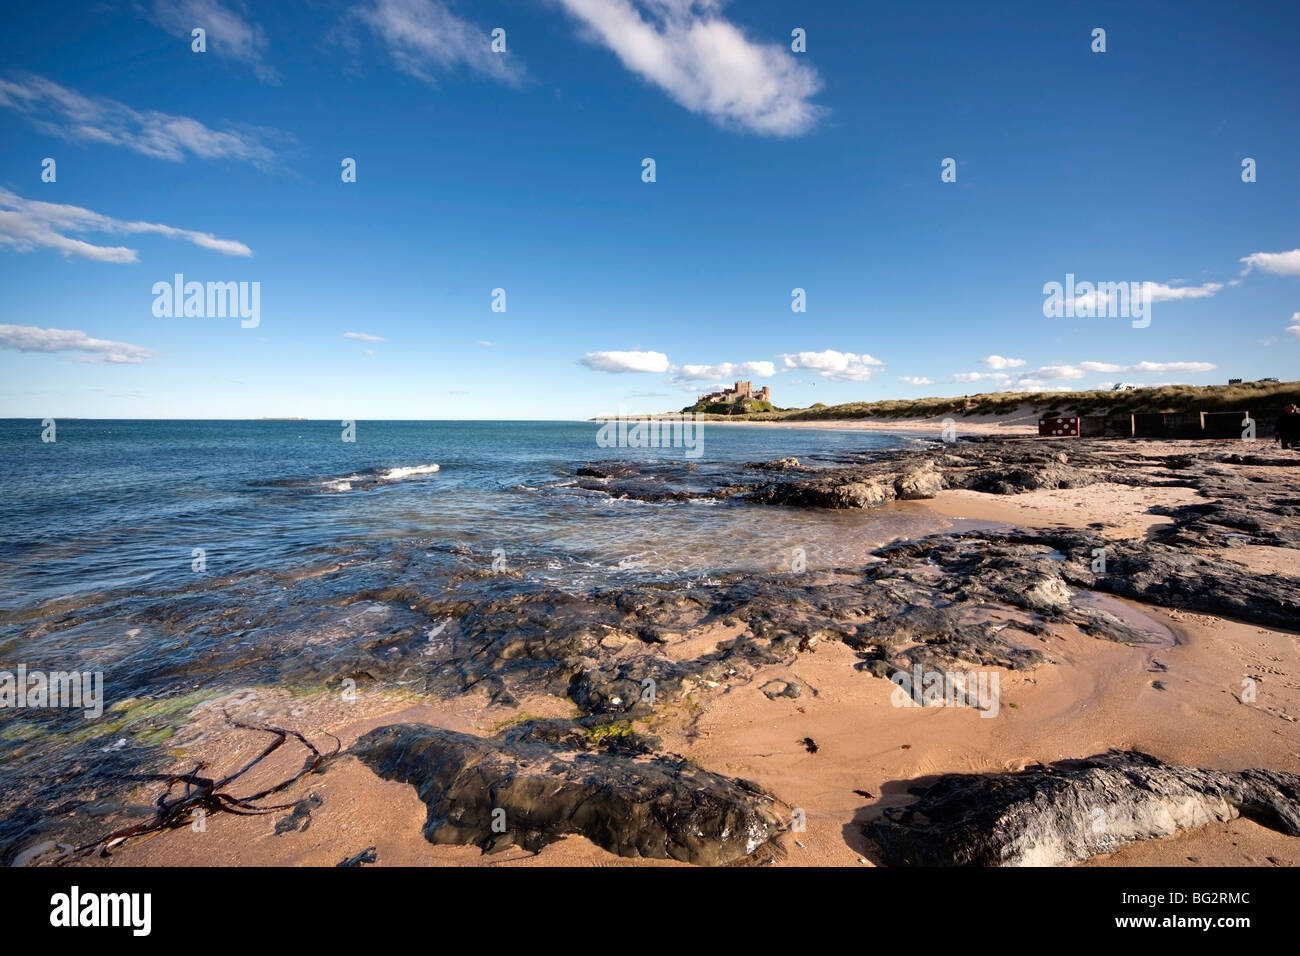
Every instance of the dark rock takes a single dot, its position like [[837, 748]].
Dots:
[[781, 688], [368, 855], [1073, 810], [1016, 478], [299, 821], [661, 808], [606, 469], [780, 464], [924, 481]]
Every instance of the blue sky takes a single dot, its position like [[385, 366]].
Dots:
[[522, 171]]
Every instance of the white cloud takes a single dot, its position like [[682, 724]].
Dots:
[[364, 337], [1159, 292], [1000, 362], [1153, 291], [1154, 368], [1037, 385], [229, 32], [29, 338], [731, 370], [915, 380], [1282, 263], [1051, 372], [425, 38], [836, 366], [1038, 379], [625, 361], [706, 63], [998, 377], [59, 111], [27, 224], [1294, 328]]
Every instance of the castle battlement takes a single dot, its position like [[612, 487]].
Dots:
[[738, 392]]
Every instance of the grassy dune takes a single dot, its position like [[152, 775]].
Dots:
[[1261, 398]]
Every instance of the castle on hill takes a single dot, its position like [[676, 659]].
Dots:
[[737, 393]]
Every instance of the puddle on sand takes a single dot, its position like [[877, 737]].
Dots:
[[1153, 629]]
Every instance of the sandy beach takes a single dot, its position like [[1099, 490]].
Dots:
[[1021, 421]]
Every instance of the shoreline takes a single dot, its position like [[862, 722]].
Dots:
[[971, 426], [1023, 421]]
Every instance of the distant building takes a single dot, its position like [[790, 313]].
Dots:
[[1234, 381], [1123, 387], [1267, 380], [737, 393]]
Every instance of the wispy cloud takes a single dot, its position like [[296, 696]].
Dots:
[[836, 366], [486, 344], [915, 380], [27, 224], [1154, 292], [725, 370], [230, 34], [1281, 263], [625, 361], [1037, 385], [30, 338], [1000, 362], [364, 337], [425, 39], [1160, 292], [65, 113], [1154, 368], [1037, 379], [706, 63], [968, 377], [1053, 372]]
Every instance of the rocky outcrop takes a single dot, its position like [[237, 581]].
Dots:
[[1068, 812], [534, 787], [779, 464], [853, 487], [864, 480]]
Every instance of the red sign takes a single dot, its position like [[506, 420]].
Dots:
[[1058, 427]]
